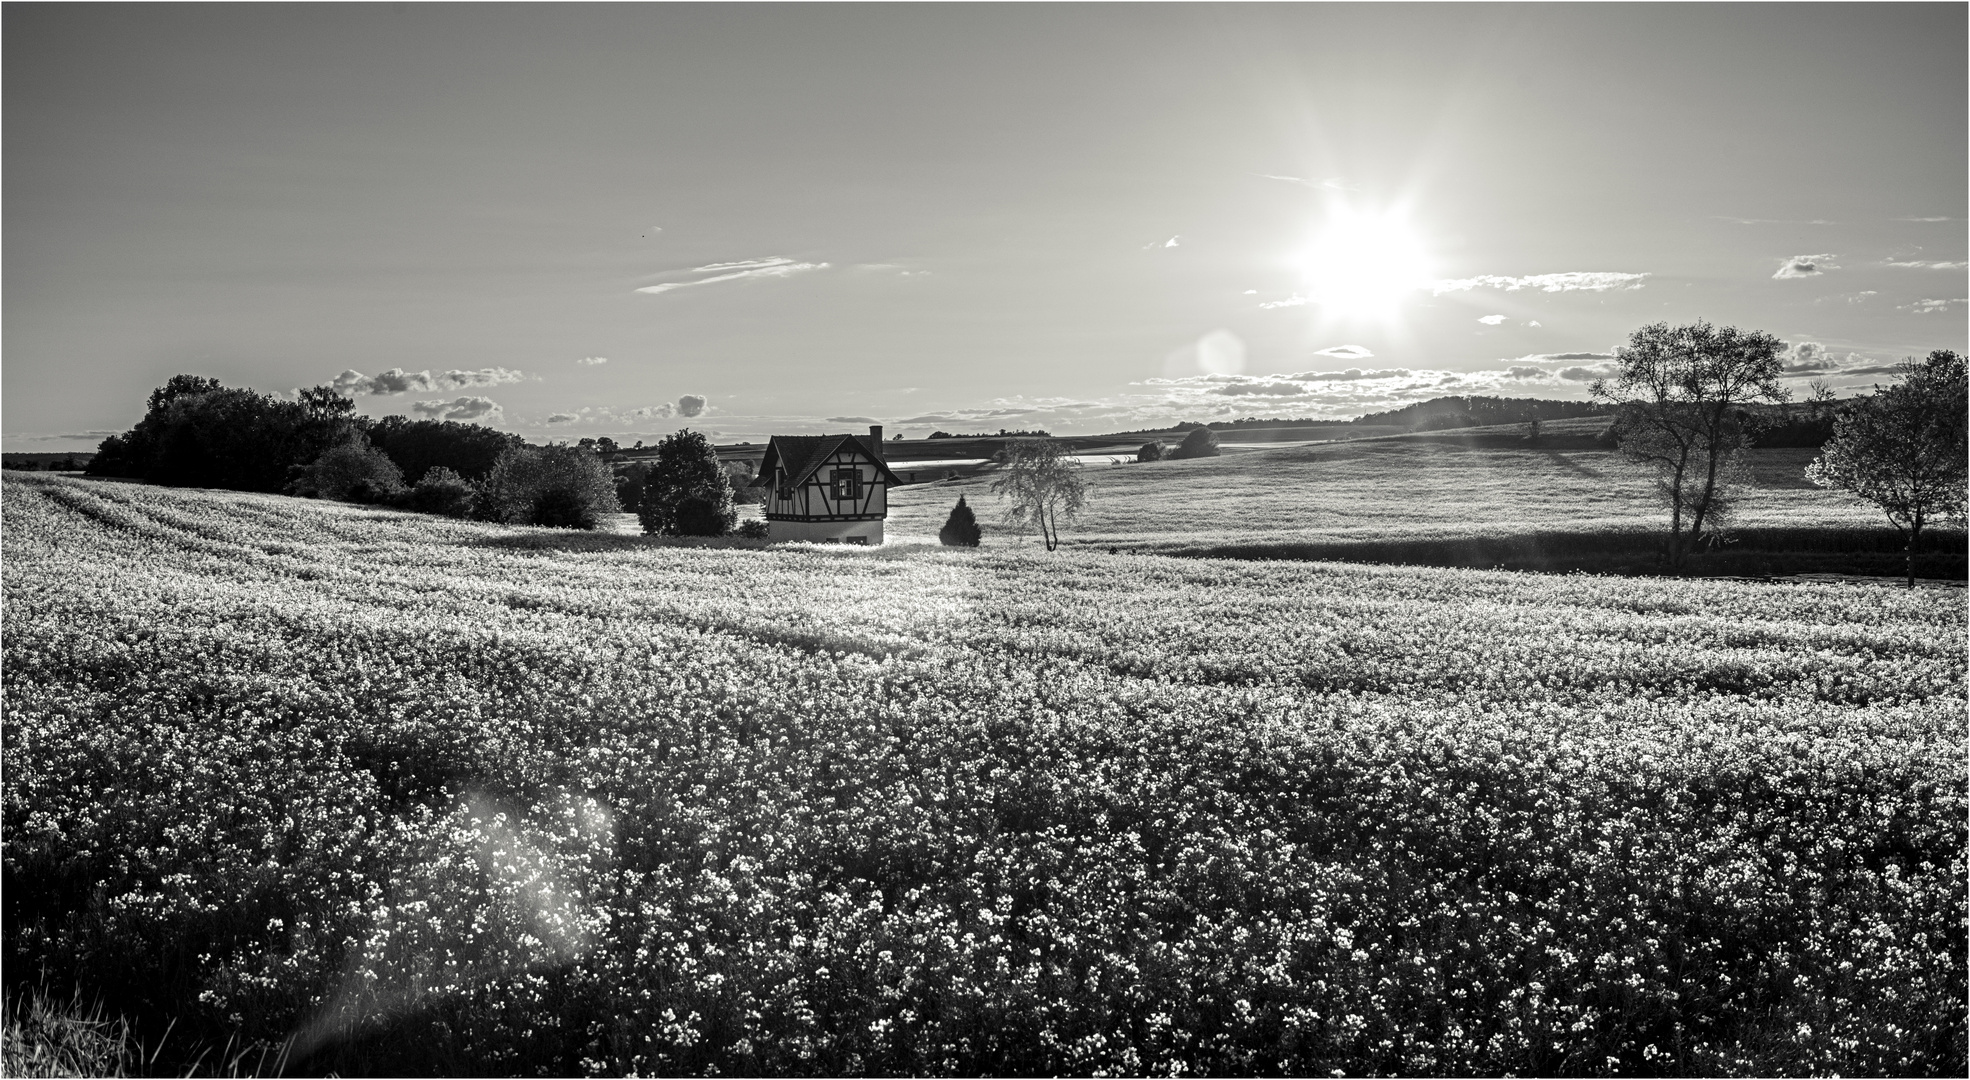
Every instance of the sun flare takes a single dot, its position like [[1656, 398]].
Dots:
[[1362, 265]]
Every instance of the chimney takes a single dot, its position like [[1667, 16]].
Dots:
[[875, 438]]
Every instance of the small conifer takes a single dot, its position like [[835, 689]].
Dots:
[[961, 528]]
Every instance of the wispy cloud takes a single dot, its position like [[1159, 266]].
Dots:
[[739, 270], [1930, 307], [1294, 300], [1332, 183], [1929, 219], [1575, 281], [1804, 266], [399, 381], [592, 361], [1770, 221], [1344, 352], [1491, 320], [1918, 264], [463, 408]]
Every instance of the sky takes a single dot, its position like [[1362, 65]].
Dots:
[[570, 221]]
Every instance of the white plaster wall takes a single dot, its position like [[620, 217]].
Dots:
[[824, 531]]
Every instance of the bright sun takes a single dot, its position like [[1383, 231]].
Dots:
[[1363, 264]]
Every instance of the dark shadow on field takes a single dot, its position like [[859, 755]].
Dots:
[[1759, 552], [1568, 463]]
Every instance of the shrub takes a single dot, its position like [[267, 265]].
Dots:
[[441, 491], [352, 470], [1200, 443], [1152, 451], [961, 528], [754, 529], [686, 493], [563, 487], [738, 478]]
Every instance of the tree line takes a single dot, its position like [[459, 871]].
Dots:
[[196, 432]]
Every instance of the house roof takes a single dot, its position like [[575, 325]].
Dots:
[[802, 455]]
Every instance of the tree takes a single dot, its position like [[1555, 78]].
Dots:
[[1042, 480], [1680, 394], [564, 487], [961, 528], [441, 491], [1202, 442], [1904, 449], [1152, 451], [352, 470], [470, 450], [685, 493]]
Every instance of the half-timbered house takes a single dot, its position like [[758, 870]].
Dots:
[[829, 488]]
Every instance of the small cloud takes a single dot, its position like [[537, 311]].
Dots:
[[774, 267], [690, 405], [1926, 307], [1344, 352], [1585, 374], [1917, 264], [1294, 300], [464, 408], [853, 420], [1170, 243], [1801, 266], [654, 412], [1251, 292], [1522, 371], [1491, 320], [1569, 356], [1927, 219], [399, 381], [1572, 281], [564, 418], [1808, 356], [1534, 322], [593, 361]]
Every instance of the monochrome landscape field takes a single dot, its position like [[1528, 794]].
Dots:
[[985, 539], [449, 796]]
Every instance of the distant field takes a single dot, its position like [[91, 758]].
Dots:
[[1353, 500], [440, 797]]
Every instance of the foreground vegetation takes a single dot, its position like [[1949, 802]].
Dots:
[[427, 795]]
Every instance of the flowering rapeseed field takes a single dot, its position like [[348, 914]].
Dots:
[[428, 795]]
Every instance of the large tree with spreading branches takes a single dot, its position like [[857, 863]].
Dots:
[[1904, 449]]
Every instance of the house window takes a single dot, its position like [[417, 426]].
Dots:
[[847, 485]]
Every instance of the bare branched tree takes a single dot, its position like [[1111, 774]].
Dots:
[[1680, 392], [1904, 449], [1043, 483]]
